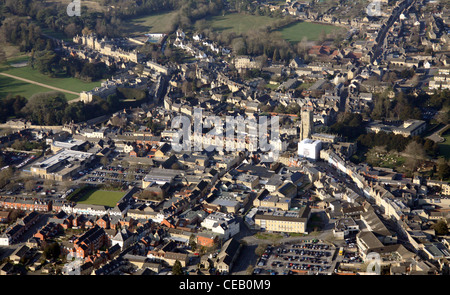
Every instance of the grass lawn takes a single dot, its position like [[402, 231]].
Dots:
[[272, 86], [385, 159], [239, 23], [444, 148], [155, 23], [17, 87], [101, 197], [268, 236], [312, 31], [12, 52], [57, 35], [304, 86]]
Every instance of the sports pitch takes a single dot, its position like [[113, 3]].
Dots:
[[101, 197], [444, 147], [311, 31]]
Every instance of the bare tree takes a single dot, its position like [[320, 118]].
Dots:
[[2, 55], [415, 155], [443, 116], [29, 185], [416, 150]]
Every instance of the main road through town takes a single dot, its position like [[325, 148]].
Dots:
[[380, 45]]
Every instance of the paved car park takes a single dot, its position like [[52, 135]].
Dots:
[[122, 175], [298, 258]]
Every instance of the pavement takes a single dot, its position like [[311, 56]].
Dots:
[[302, 257], [436, 137], [247, 257]]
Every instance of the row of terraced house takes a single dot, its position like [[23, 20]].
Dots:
[[13, 233]]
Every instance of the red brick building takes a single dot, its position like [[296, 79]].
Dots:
[[103, 222], [28, 204], [206, 240], [4, 216], [91, 241], [47, 231]]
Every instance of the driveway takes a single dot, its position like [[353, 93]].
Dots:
[[436, 137]]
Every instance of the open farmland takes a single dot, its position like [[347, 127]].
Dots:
[[232, 22], [238, 23], [155, 23]]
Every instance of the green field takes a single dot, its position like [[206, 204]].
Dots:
[[233, 22], [312, 31], [101, 197], [155, 23], [239, 23], [162, 23], [444, 148], [17, 87], [385, 159], [57, 35]]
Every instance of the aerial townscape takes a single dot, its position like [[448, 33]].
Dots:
[[132, 137]]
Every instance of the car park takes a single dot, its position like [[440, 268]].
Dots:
[[315, 257], [256, 271]]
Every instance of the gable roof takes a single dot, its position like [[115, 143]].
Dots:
[[229, 248], [123, 235]]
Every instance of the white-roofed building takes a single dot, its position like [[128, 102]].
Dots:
[[309, 148]]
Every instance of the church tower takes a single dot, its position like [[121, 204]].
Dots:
[[307, 123]]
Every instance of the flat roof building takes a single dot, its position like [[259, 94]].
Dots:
[[63, 165], [160, 176], [310, 149], [344, 227], [407, 128], [284, 221]]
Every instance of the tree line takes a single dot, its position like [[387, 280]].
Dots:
[[51, 63], [397, 142], [189, 13], [409, 106], [107, 22], [28, 36], [54, 16], [20, 32], [52, 108], [349, 125]]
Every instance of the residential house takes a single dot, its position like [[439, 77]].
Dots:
[[19, 253], [90, 241], [228, 255], [124, 238], [221, 223]]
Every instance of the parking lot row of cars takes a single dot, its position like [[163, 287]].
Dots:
[[17, 159], [288, 259], [103, 180], [351, 257], [121, 169], [114, 175], [103, 174]]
